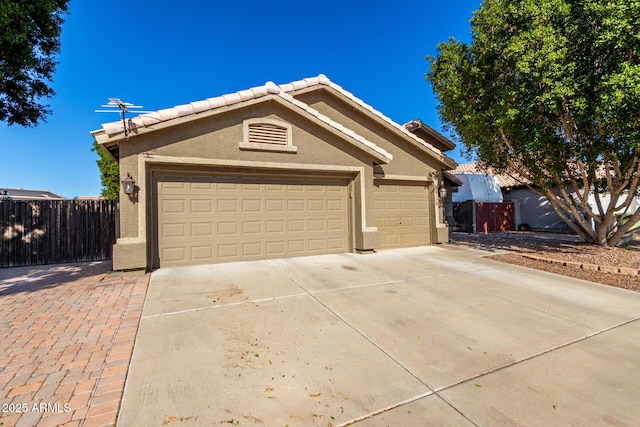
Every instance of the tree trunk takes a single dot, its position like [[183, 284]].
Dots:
[[601, 233]]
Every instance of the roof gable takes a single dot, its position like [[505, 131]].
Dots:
[[322, 81], [113, 132]]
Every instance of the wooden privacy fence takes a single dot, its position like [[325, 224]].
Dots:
[[56, 231]]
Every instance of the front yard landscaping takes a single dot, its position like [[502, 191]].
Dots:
[[562, 254]]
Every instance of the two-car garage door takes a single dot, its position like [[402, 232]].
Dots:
[[206, 218], [210, 218]]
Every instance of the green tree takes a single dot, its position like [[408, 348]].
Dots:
[[548, 91], [29, 40], [109, 172]]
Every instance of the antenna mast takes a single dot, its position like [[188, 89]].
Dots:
[[118, 106]]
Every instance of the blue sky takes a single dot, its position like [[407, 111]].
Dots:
[[163, 53]]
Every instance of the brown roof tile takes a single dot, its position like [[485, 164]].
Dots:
[[504, 180]]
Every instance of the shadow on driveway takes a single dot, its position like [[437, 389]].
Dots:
[[34, 278], [417, 336]]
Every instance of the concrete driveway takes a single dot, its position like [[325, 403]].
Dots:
[[421, 336]]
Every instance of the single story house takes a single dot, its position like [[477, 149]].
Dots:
[[273, 171], [29, 194]]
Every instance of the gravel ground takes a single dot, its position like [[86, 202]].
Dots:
[[561, 248]]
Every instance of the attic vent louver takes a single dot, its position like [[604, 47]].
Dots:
[[266, 133]]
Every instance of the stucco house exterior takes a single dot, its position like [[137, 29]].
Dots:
[[273, 171]]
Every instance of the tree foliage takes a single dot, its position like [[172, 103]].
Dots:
[[29, 40], [109, 172], [548, 91]]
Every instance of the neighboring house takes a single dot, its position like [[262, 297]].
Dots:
[[605, 201], [29, 194], [273, 171], [531, 211], [90, 198]]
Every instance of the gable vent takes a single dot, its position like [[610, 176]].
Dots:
[[266, 133]]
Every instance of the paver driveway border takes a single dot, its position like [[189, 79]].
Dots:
[[420, 336], [66, 337]]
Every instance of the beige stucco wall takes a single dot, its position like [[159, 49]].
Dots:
[[217, 138], [407, 160], [213, 142]]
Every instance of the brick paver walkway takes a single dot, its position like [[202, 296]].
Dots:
[[66, 339]]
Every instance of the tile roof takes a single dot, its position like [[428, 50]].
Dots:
[[269, 88], [504, 180], [114, 129]]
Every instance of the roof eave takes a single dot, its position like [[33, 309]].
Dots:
[[111, 142], [415, 125], [451, 177]]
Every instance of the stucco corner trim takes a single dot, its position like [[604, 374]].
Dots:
[[129, 254], [130, 240]]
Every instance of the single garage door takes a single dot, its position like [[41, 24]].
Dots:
[[402, 215], [209, 219]]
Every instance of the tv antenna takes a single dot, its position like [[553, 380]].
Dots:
[[116, 105]]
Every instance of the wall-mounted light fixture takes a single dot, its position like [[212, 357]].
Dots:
[[128, 185], [442, 192]]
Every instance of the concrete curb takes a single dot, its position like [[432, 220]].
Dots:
[[584, 266]]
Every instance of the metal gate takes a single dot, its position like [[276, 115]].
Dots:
[[483, 217], [494, 217]]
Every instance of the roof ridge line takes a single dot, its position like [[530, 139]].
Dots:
[[195, 107], [322, 79], [338, 126], [269, 88]]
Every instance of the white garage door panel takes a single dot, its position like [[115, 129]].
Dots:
[[402, 215], [207, 219]]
